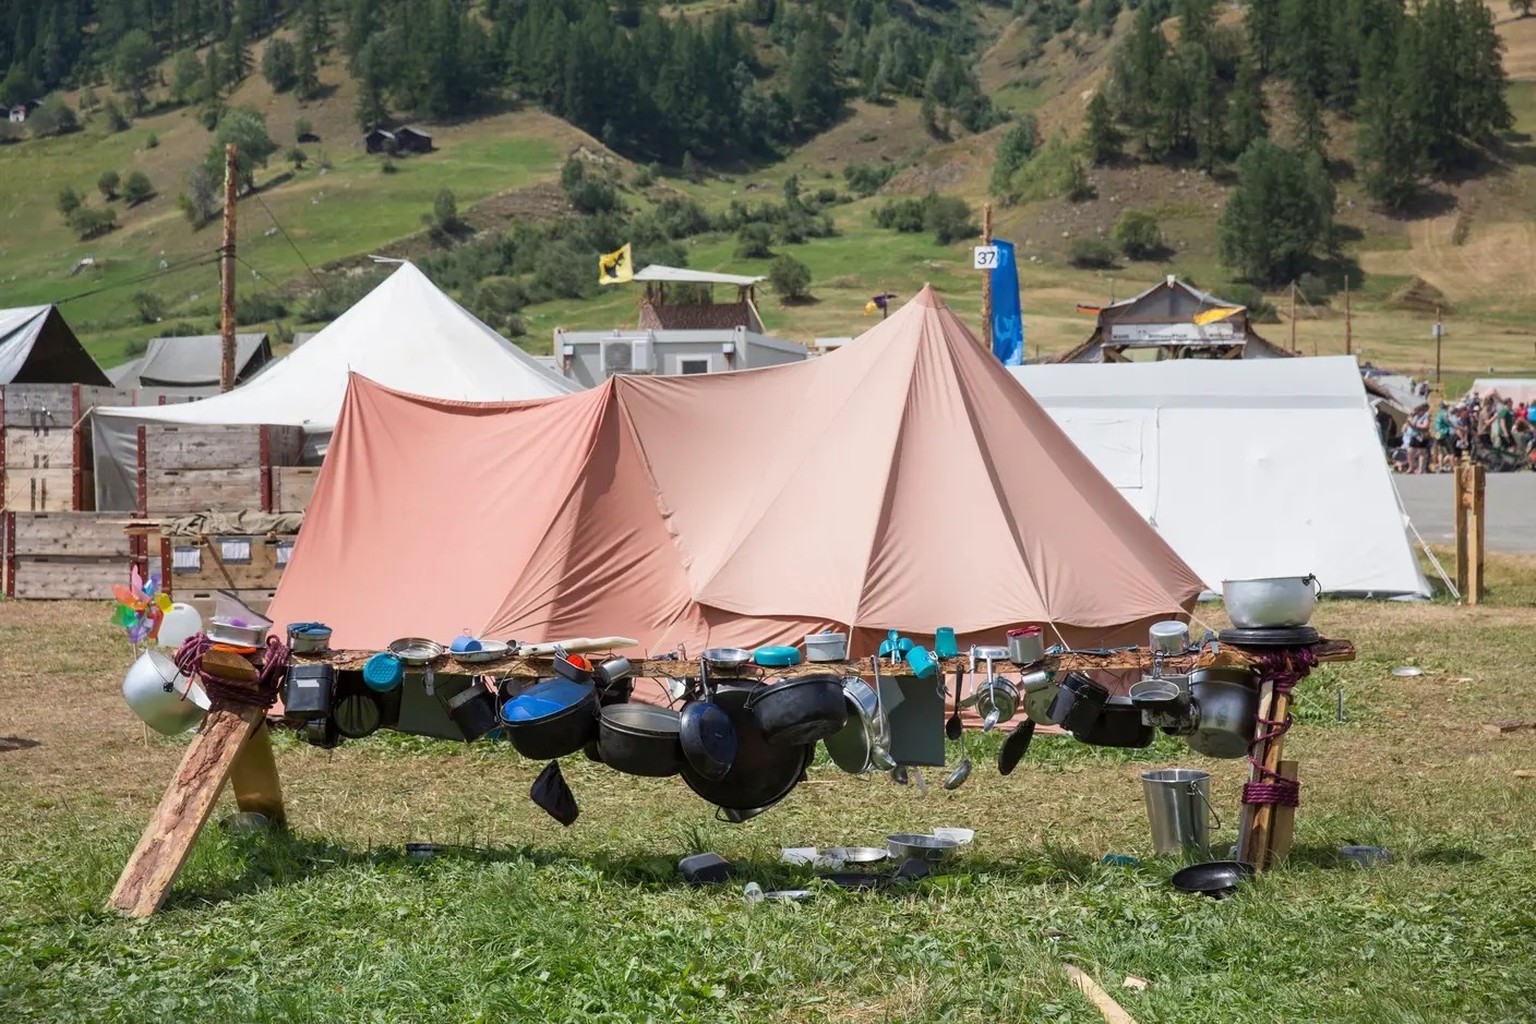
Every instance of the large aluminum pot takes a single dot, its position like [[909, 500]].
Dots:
[[162, 695], [864, 743], [1226, 703], [1275, 603]]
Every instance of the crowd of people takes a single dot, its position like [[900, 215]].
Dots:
[[1492, 430]]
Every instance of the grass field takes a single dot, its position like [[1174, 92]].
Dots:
[[534, 922]]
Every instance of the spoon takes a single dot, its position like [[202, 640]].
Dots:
[[953, 728]]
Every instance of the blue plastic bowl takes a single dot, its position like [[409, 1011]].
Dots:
[[383, 672]]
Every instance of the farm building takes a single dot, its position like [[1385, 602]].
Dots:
[[413, 140], [37, 346], [1171, 320], [684, 332], [377, 140], [191, 365]]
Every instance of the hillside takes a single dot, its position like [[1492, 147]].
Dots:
[[1472, 239]]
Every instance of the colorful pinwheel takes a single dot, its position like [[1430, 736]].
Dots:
[[140, 607]]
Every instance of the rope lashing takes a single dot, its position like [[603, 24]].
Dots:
[[1284, 668], [261, 693]]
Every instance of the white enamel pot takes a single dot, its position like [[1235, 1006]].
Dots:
[[1275, 603]]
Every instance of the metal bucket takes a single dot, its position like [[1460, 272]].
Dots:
[[1178, 802]]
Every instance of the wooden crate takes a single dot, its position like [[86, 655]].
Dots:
[[46, 448], [165, 446], [248, 563], [200, 490], [47, 490], [64, 555], [292, 487], [59, 406]]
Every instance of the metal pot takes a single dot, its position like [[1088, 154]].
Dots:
[[764, 772], [1274, 603], [912, 846], [1226, 706], [864, 743], [551, 719], [1120, 725], [1040, 689], [800, 711], [1078, 704], [1171, 637], [997, 700], [162, 695], [638, 739]]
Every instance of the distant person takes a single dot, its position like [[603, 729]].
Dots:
[[1443, 453], [1416, 438], [1501, 427]]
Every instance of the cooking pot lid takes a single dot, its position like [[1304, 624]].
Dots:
[[1283, 636], [709, 740], [542, 700], [646, 718]]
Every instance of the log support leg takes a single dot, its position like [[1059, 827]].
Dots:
[[190, 799]]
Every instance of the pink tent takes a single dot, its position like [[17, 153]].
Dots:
[[904, 481]]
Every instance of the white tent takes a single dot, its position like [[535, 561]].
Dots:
[[1520, 389], [405, 334], [1247, 469]]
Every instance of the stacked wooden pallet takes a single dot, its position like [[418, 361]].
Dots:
[[65, 555], [45, 445], [203, 467]]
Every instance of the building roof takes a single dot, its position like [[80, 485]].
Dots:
[[683, 275], [195, 361], [718, 316], [413, 131]]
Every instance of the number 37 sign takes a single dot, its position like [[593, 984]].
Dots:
[[984, 257]]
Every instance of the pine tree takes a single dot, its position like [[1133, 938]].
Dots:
[[814, 93], [1262, 21], [1391, 144], [1013, 152], [1101, 139], [1279, 216], [306, 72], [366, 67], [187, 77], [237, 52], [1310, 131], [1246, 111]]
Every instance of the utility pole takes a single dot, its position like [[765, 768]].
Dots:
[[1439, 334], [1349, 323], [1293, 318], [986, 280], [227, 273]]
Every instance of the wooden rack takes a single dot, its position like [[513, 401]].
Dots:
[[233, 744]]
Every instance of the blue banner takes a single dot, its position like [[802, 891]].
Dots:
[[1007, 313]]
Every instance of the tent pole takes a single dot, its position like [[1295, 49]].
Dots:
[[1293, 318], [227, 275], [986, 280], [1349, 323]]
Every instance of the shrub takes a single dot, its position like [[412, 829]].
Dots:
[[151, 141], [902, 215], [136, 347], [681, 217], [112, 111], [1313, 289], [258, 307], [949, 218], [338, 295], [89, 223], [1091, 254], [137, 189], [68, 201], [754, 242], [1260, 309], [867, 179], [107, 185], [200, 200], [497, 301], [790, 278], [302, 129], [644, 177], [149, 307], [1138, 235], [298, 158], [388, 166], [54, 117]]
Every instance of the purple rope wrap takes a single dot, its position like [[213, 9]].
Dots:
[[1284, 668], [259, 694]]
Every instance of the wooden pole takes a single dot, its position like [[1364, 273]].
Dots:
[[986, 280], [1439, 334], [227, 273], [1285, 822], [1475, 524], [1459, 519], [1349, 322], [253, 776], [1293, 318]]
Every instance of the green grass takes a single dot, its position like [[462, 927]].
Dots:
[[529, 921]]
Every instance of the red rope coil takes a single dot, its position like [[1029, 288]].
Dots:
[[1284, 667]]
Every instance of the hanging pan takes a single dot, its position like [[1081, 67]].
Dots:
[[763, 772], [707, 733]]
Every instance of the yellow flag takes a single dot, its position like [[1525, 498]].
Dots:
[[1210, 316], [616, 267], [870, 307]]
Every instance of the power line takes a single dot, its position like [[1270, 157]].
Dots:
[[195, 261], [286, 237]]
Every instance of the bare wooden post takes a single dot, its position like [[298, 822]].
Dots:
[[1459, 518], [1285, 822], [227, 272], [1293, 317], [986, 280], [1439, 336], [1349, 322], [1475, 528]]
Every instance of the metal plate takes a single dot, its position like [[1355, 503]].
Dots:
[[490, 650], [415, 650]]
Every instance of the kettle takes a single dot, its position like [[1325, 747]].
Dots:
[[997, 700]]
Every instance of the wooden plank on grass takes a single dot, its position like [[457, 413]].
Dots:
[[78, 534], [1112, 1012], [157, 860]]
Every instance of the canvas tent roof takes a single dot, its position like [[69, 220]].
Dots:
[[38, 347], [406, 334], [1521, 389], [901, 482], [193, 362], [655, 272], [1246, 469]]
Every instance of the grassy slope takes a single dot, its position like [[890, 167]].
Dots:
[[1481, 252], [590, 923]]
